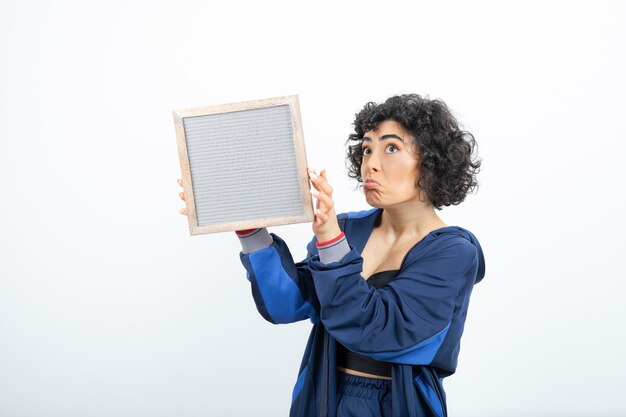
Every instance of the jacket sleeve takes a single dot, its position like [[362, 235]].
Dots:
[[405, 321], [283, 291]]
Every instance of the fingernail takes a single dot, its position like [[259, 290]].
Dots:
[[313, 175]]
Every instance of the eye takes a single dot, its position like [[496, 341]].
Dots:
[[366, 151], [392, 147]]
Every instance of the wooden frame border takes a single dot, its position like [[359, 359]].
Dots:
[[298, 139]]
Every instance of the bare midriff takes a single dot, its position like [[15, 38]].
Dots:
[[357, 373]]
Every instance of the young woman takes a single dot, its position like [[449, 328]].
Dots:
[[387, 289]]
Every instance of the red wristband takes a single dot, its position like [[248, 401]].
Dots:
[[328, 242], [244, 232]]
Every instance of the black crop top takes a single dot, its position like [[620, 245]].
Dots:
[[351, 360]]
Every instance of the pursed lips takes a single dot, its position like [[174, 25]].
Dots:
[[371, 184]]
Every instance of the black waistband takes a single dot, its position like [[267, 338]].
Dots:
[[350, 360]]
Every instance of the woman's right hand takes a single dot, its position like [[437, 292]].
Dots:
[[325, 224], [182, 211]]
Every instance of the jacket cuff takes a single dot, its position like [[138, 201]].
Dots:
[[254, 239], [334, 250]]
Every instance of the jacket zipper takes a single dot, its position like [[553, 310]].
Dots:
[[324, 403]]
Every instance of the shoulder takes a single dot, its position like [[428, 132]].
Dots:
[[451, 248], [358, 224], [355, 215], [447, 244]]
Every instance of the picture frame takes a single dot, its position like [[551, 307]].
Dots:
[[243, 165]]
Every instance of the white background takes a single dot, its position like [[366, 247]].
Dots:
[[109, 308]]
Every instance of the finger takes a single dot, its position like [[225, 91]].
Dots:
[[316, 185], [314, 194], [311, 172], [183, 211], [323, 218], [325, 200], [182, 195], [312, 175], [316, 181], [319, 204], [180, 181], [322, 183]]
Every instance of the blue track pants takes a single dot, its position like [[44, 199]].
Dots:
[[363, 397]]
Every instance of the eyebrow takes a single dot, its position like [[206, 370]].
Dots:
[[383, 137]]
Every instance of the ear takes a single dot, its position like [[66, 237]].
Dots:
[[421, 194]]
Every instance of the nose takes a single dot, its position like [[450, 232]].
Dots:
[[371, 163]]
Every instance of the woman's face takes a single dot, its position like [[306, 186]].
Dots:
[[388, 160]]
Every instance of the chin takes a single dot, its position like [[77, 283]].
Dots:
[[382, 198], [375, 202]]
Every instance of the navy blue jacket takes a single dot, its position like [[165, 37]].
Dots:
[[415, 321]]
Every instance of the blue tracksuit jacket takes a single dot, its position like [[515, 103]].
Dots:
[[415, 321]]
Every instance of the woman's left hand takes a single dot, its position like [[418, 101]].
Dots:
[[325, 224]]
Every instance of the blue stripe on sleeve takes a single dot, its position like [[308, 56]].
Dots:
[[281, 295], [420, 354]]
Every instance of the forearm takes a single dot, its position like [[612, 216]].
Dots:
[[280, 287]]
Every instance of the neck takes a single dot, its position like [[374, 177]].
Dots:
[[409, 220]]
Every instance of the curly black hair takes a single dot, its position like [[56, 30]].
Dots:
[[445, 151]]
